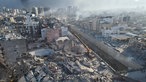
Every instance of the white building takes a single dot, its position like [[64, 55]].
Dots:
[[36, 11], [64, 31], [44, 33], [31, 26], [121, 29]]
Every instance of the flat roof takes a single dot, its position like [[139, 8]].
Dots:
[[120, 37], [131, 34], [62, 39], [41, 52]]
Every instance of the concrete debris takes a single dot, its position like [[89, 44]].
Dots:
[[47, 45]]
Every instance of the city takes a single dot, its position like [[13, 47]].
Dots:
[[67, 44]]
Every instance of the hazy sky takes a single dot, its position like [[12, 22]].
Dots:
[[109, 4], [83, 4], [30, 3]]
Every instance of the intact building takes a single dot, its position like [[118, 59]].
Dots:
[[32, 27], [35, 11], [53, 34], [41, 11], [44, 33]]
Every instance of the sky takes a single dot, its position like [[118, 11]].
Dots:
[[109, 4], [82, 4], [31, 3]]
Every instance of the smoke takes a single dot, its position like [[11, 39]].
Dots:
[[84, 5], [92, 5]]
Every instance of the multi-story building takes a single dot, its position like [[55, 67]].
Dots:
[[44, 33], [41, 11], [53, 34], [32, 27], [35, 11]]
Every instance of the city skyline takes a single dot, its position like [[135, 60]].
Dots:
[[82, 4]]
